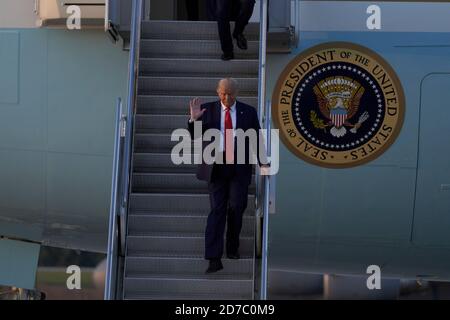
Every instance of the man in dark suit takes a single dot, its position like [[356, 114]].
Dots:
[[228, 180], [229, 10]]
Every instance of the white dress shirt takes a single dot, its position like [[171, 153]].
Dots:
[[222, 122]]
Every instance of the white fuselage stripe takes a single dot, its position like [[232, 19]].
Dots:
[[400, 16]]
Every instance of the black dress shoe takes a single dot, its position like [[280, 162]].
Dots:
[[241, 41], [233, 255], [227, 56], [214, 266]]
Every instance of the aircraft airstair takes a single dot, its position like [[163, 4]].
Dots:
[[160, 226]]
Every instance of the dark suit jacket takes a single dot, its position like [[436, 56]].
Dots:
[[246, 118], [211, 7]]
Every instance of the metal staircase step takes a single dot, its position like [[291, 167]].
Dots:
[[178, 105], [171, 182], [171, 214], [188, 244], [191, 85], [158, 163], [193, 266], [157, 48], [161, 163], [174, 296], [144, 254], [240, 289], [145, 123], [189, 276], [147, 224], [168, 182], [151, 213], [176, 202], [153, 142], [200, 30], [198, 67], [157, 142]]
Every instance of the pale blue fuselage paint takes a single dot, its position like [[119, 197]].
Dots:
[[58, 91], [394, 211]]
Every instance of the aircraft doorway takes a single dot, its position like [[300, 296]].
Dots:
[[431, 216], [182, 10]]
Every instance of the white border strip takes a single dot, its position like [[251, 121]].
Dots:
[[395, 16]]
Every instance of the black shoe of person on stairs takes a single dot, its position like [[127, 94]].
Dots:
[[241, 41], [214, 266], [227, 56], [233, 256]]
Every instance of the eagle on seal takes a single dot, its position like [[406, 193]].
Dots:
[[339, 99]]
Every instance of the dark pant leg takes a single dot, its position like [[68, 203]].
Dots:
[[238, 196], [223, 15], [211, 10], [215, 226], [192, 9], [244, 16]]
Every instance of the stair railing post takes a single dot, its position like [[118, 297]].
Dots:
[[266, 205], [112, 250], [137, 12], [263, 118]]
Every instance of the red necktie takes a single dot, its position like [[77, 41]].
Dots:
[[228, 138]]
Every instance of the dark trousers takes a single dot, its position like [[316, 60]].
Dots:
[[192, 10], [228, 199], [224, 13]]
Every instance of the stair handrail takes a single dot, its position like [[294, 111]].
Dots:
[[261, 86], [137, 14], [265, 210], [297, 23], [113, 237], [122, 169], [262, 182]]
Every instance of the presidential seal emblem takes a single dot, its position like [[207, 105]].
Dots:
[[338, 105]]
